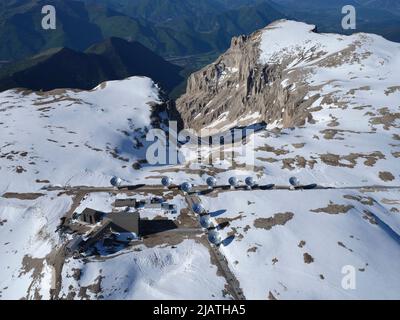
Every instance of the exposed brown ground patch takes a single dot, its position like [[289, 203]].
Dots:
[[20, 169], [330, 134], [22, 196], [227, 220], [364, 200], [301, 244], [252, 249], [269, 160], [277, 219], [330, 99], [94, 288], [268, 148], [350, 160], [334, 122], [391, 201], [308, 258], [298, 145], [370, 217], [165, 239], [297, 162], [386, 118], [353, 91], [34, 265], [333, 208], [386, 176], [187, 220], [391, 90]]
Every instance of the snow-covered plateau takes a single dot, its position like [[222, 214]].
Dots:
[[331, 104]]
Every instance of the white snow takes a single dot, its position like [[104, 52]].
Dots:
[[71, 137], [182, 272], [375, 248], [28, 231], [85, 137]]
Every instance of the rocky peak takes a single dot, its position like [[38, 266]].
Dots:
[[266, 76], [239, 90]]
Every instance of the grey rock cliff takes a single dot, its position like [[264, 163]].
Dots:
[[238, 90]]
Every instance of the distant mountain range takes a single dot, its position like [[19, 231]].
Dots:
[[193, 29], [373, 16], [111, 59], [189, 33], [174, 28]]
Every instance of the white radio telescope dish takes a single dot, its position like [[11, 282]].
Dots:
[[206, 222], [214, 237], [166, 181], [211, 182], [250, 182], [186, 187], [294, 181], [115, 181], [233, 181], [198, 208]]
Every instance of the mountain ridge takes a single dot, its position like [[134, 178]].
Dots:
[[254, 86], [112, 59]]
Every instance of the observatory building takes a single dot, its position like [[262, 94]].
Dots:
[[124, 222], [91, 216], [131, 203]]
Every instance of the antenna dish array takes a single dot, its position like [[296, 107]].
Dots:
[[116, 182]]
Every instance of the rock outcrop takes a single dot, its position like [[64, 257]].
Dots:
[[238, 89]]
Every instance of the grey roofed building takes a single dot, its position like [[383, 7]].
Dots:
[[125, 203], [91, 216], [125, 222]]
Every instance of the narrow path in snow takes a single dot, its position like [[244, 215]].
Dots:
[[57, 256], [221, 188]]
